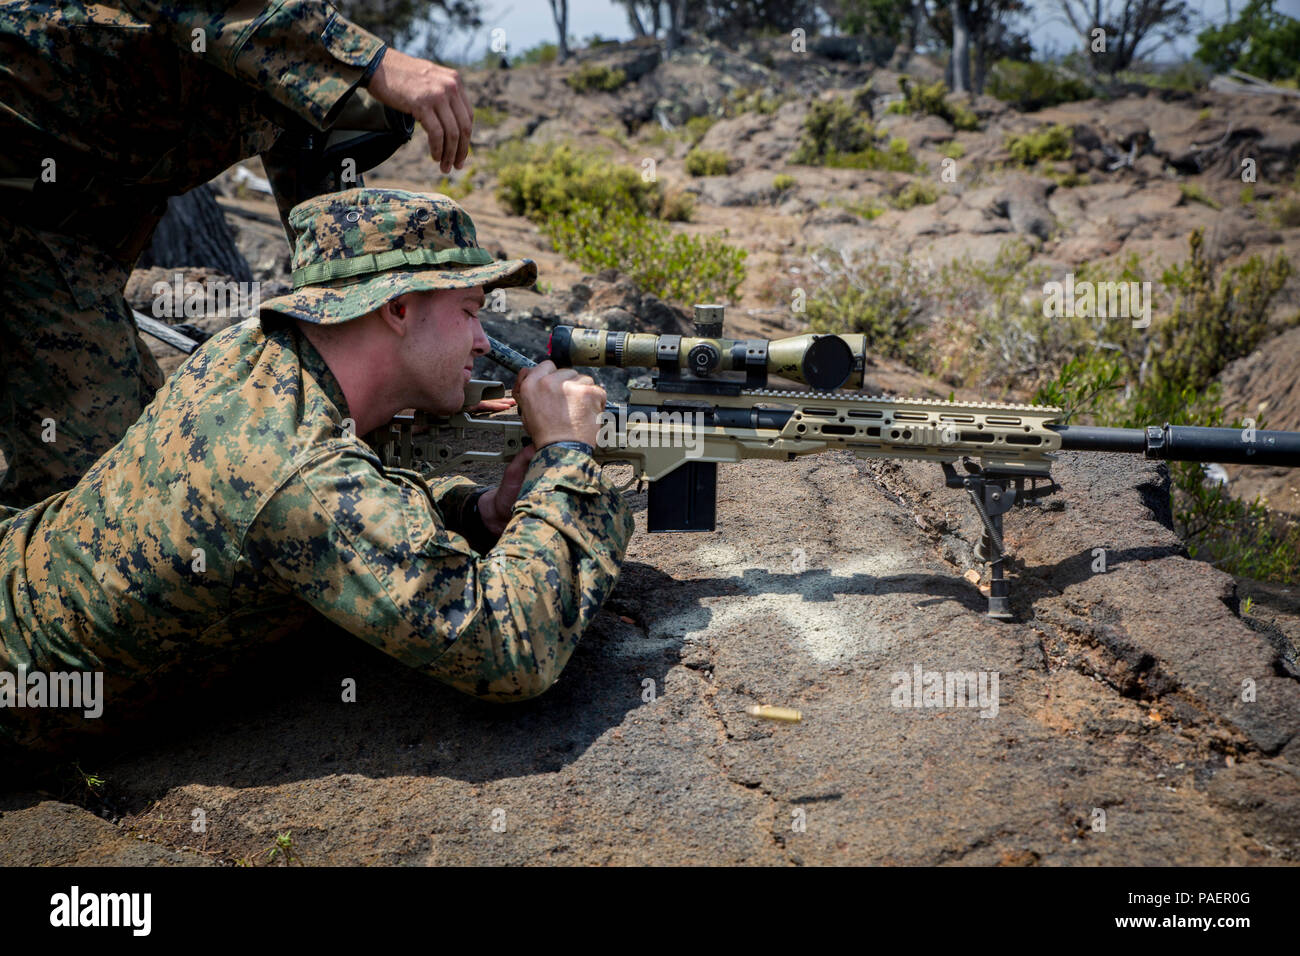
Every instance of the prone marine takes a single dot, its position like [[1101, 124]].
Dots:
[[243, 495]]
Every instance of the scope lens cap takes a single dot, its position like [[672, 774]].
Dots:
[[827, 363]]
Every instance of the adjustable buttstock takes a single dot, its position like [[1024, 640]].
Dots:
[[685, 499]]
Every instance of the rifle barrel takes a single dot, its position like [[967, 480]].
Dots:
[[1240, 446]]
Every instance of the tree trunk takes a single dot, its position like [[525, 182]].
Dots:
[[960, 48], [676, 14], [194, 233], [560, 13], [981, 65], [633, 18]]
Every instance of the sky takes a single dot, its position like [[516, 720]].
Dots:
[[528, 22]]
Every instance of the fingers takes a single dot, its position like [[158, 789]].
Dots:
[[464, 114], [451, 135]]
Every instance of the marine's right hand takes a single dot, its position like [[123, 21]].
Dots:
[[434, 95], [559, 405]]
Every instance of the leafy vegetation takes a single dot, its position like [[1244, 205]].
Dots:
[[933, 100], [1046, 142], [1260, 41], [1034, 86], [1194, 193], [783, 182], [707, 162], [671, 265], [835, 134], [548, 180], [596, 77], [914, 193], [1168, 377], [952, 149]]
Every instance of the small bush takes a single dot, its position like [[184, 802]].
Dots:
[[1194, 193], [707, 162], [488, 116], [544, 54], [456, 189], [596, 77], [548, 180], [1285, 213], [1069, 178], [953, 149], [915, 193], [933, 100], [836, 135], [1046, 142], [671, 265], [783, 182], [677, 206], [881, 297], [1215, 319], [1033, 86]]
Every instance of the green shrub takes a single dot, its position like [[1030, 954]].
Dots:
[[456, 189], [547, 180], [1285, 212], [1033, 86], [1215, 320], [884, 298], [542, 53], [783, 182], [1194, 193], [1046, 142], [835, 135], [673, 266], [695, 128], [487, 116], [707, 162], [952, 149], [1069, 178], [596, 77], [915, 193], [932, 100], [677, 206], [1169, 378], [833, 127]]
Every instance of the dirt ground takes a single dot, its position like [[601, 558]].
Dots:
[[1120, 735]]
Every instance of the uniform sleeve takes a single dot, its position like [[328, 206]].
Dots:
[[304, 54], [373, 552]]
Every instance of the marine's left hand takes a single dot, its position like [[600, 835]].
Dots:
[[489, 405], [496, 504]]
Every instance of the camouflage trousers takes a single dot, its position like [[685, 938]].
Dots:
[[74, 373]]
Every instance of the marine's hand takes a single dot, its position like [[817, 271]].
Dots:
[[558, 405], [495, 505], [434, 95], [489, 405]]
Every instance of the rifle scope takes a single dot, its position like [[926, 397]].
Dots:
[[822, 362]]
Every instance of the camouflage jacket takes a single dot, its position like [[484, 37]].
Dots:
[[239, 500], [135, 101]]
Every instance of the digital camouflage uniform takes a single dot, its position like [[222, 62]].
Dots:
[[119, 105], [244, 456]]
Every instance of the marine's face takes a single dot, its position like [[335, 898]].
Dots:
[[445, 336]]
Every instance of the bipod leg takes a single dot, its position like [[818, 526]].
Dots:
[[992, 498]]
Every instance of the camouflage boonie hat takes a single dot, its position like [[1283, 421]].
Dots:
[[357, 249]]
